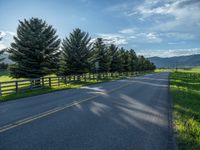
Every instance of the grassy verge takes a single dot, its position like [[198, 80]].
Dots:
[[185, 88], [163, 70], [57, 88]]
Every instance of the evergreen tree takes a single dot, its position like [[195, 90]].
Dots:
[[2, 51], [125, 60], [100, 55], [141, 63], [76, 51], [145, 64], [35, 49], [133, 60], [115, 63]]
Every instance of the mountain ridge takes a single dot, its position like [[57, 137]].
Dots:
[[176, 61]]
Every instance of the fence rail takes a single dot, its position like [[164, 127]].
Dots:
[[16, 86]]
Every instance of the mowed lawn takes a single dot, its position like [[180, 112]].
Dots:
[[185, 88]]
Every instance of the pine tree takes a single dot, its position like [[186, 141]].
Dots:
[[100, 55], [35, 49], [144, 64], [115, 63], [125, 60], [76, 51], [2, 51], [133, 60]]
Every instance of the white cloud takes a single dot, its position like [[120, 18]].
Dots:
[[153, 37], [169, 52], [179, 35], [125, 37], [113, 39], [127, 31], [2, 46], [2, 34], [6, 33], [175, 43], [146, 37], [177, 14], [6, 37]]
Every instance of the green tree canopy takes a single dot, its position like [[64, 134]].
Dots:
[[100, 54], [35, 49], [115, 63], [1, 51], [76, 51], [133, 60]]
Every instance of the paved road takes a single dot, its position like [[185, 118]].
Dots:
[[131, 114]]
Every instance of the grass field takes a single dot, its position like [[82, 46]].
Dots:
[[185, 88], [4, 76]]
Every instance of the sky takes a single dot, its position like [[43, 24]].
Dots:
[[162, 28]]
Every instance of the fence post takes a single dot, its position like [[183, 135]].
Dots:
[[85, 77], [49, 81], [93, 76], [58, 81], [43, 82], [74, 77], [98, 76], [89, 76], [65, 80], [31, 84], [78, 78], [16, 86], [0, 90], [69, 78]]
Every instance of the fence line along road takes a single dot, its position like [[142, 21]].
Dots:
[[16, 86]]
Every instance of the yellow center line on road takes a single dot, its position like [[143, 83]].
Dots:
[[54, 110]]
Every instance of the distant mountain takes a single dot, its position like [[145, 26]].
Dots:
[[6, 60], [180, 61], [168, 62]]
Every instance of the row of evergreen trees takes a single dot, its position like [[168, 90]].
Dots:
[[36, 52], [1, 52]]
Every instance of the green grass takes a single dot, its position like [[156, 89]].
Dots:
[[4, 77], [185, 88], [162, 70], [43, 91]]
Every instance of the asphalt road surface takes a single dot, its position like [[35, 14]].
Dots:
[[132, 114]]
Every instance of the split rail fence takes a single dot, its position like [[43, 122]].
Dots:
[[16, 86]]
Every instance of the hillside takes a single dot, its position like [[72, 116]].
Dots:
[[180, 61], [6, 60]]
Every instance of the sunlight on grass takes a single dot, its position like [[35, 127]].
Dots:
[[4, 76], [185, 88]]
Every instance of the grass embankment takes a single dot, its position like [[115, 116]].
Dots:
[[5, 77], [185, 88]]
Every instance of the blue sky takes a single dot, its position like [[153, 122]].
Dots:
[[152, 27]]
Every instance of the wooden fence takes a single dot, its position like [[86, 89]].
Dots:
[[17, 86]]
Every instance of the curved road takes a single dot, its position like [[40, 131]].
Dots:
[[132, 114]]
